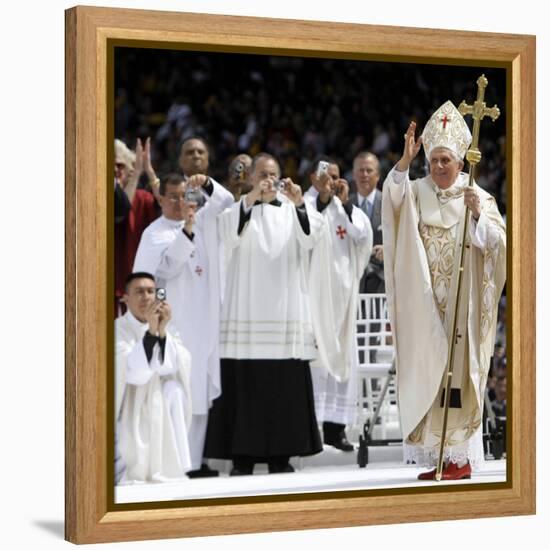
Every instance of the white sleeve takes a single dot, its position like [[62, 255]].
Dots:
[[174, 257], [169, 364], [163, 259], [396, 181], [359, 228], [138, 371], [478, 231], [316, 227], [360, 232], [217, 202], [228, 226], [483, 231]]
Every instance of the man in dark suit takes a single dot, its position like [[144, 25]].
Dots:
[[366, 174]]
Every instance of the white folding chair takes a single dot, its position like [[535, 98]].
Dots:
[[376, 352]]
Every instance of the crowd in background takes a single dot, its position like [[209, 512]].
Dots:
[[294, 108]]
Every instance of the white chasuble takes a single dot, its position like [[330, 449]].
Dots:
[[422, 228], [266, 311], [153, 404], [348, 252], [190, 270]]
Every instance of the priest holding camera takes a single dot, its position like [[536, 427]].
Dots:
[[152, 388], [266, 409], [181, 249]]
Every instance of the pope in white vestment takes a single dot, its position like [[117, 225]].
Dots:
[[153, 395], [266, 411], [422, 223], [349, 237], [182, 250]]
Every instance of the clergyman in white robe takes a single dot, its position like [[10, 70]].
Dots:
[[266, 410], [153, 404], [348, 233], [423, 225], [189, 269]]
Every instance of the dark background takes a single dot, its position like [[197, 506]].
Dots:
[[295, 108]]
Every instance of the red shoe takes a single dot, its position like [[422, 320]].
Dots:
[[451, 472], [427, 476]]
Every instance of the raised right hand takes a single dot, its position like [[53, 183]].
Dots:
[[410, 148], [139, 162], [152, 317], [189, 212], [262, 192], [325, 187]]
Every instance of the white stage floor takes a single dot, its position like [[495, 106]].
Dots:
[[346, 477]]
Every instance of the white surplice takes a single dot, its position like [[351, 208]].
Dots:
[[349, 249], [422, 226], [153, 404], [190, 272], [266, 311]]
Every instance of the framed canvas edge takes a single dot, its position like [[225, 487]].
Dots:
[[88, 518]]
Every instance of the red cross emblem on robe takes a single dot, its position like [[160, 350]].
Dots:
[[341, 232], [198, 270]]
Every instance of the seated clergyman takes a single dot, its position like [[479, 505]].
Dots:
[[153, 398]]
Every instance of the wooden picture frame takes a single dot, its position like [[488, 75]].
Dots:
[[90, 514]]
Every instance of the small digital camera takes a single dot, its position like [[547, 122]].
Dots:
[[278, 185], [193, 195], [322, 168], [160, 294], [238, 171]]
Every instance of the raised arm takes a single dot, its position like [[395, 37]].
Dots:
[[164, 255], [398, 177]]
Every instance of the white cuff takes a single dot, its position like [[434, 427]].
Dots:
[[396, 181], [399, 176], [138, 371], [159, 364], [246, 208], [478, 231]]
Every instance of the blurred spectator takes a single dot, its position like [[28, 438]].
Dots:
[[194, 157], [293, 107], [500, 339], [499, 402], [366, 175], [237, 176], [133, 215]]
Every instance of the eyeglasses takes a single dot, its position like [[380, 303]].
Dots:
[[176, 198]]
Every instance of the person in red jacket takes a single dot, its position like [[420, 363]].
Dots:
[[139, 211]]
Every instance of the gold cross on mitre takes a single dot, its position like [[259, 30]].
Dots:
[[479, 111]]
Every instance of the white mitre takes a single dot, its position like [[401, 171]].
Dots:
[[447, 128]]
